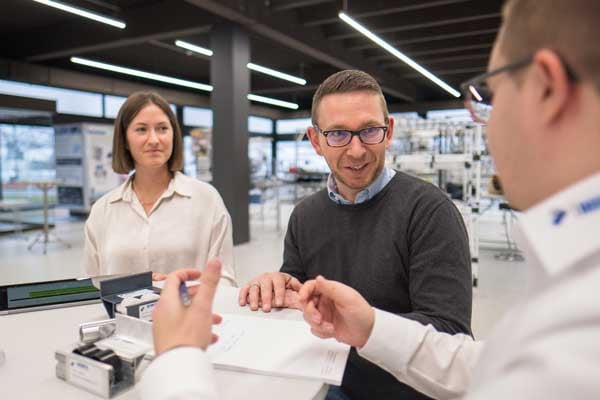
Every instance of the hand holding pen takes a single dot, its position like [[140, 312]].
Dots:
[[176, 324]]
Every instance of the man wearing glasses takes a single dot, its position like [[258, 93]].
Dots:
[[396, 239], [544, 135]]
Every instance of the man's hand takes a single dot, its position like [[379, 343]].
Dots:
[[177, 325], [158, 276], [333, 309], [271, 289]]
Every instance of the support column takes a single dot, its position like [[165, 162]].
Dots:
[[231, 82]]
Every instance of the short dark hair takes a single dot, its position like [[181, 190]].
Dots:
[[346, 81], [122, 161], [569, 27]]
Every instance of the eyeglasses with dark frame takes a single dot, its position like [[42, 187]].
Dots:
[[342, 137], [478, 95]]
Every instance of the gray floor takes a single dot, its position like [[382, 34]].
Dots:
[[501, 284]]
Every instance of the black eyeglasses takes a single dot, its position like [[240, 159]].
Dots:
[[341, 137], [478, 95]]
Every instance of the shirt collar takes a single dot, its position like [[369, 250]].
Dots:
[[178, 184], [565, 228], [385, 176]]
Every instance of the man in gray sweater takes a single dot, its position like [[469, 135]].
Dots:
[[397, 240]]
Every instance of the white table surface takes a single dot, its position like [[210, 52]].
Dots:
[[30, 340]]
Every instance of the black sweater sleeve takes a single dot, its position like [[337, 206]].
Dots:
[[292, 262], [439, 268]]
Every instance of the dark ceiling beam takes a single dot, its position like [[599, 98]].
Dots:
[[178, 49], [448, 72], [288, 89], [285, 31], [291, 5], [119, 43], [27, 103], [427, 39], [439, 60], [424, 106], [78, 38], [450, 50], [58, 77], [408, 27], [104, 4], [365, 10]]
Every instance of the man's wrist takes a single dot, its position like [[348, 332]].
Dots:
[[369, 328]]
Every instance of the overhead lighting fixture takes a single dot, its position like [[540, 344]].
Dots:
[[475, 93], [174, 81], [141, 74], [274, 102], [276, 74], [83, 13], [251, 66], [403, 57], [194, 48]]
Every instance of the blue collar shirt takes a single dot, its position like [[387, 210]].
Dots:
[[367, 193]]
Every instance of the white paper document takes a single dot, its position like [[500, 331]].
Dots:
[[277, 347]]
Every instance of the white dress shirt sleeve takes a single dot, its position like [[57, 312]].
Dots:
[[221, 246], [180, 374], [91, 260], [437, 364]]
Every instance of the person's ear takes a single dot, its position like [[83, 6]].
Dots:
[[553, 88], [390, 132], [313, 136]]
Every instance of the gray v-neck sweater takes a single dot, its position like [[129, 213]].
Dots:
[[405, 250]]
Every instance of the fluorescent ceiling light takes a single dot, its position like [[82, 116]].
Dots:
[[386, 46], [475, 93], [174, 81], [251, 66], [83, 13], [142, 74], [276, 74], [274, 102], [194, 48]]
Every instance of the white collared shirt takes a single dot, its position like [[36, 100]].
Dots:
[[187, 226], [546, 348]]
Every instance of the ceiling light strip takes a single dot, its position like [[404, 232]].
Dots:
[[404, 58], [174, 81], [251, 66], [274, 102], [141, 74], [276, 74], [83, 13], [194, 48]]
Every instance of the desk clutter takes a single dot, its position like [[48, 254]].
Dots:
[[131, 295], [111, 355], [107, 360], [111, 352]]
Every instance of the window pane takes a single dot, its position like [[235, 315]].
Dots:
[[67, 101], [300, 155], [200, 117], [112, 104], [260, 154], [197, 154], [260, 125], [297, 125], [27, 154], [455, 115]]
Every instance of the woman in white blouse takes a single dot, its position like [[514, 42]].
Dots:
[[159, 220]]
